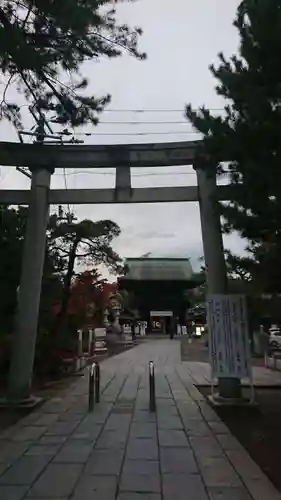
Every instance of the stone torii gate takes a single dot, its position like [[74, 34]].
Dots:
[[42, 160]]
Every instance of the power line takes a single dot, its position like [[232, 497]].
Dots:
[[149, 174], [138, 122], [156, 110], [88, 134], [141, 110]]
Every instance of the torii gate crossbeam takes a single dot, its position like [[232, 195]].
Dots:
[[106, 196], [119, 156], [101, 156]]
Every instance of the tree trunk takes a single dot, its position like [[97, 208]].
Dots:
[[61, 317]]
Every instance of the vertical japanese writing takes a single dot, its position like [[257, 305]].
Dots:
[[229, 352]]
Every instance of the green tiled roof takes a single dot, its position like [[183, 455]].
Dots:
[[159, 269]]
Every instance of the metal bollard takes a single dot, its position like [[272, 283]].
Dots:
[[152, 402], [92, 372], [97, 383]]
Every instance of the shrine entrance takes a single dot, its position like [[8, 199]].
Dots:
[[161, 288], [42, 160], [160, 322]]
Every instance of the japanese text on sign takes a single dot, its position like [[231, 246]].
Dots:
[[229, 352]]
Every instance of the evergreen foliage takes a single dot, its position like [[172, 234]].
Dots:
[[43, 44], [247, 135]]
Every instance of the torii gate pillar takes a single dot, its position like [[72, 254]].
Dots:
[[21, 367], [211, 231], [214, 256]]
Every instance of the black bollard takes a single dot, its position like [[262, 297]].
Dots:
[[152, 402], [92, 371], [97, 383]]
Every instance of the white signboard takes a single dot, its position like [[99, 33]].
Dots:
[[161, 314], [127, 330], [100, 340], [229, 351], [100, 332]]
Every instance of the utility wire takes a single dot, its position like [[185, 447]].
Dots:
[[88, 134], [143, 110], [149, 174], [156, 110], [138, 122]]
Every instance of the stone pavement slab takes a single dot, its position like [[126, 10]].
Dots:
[[172, 438], [144, 467], [183, 486], [104, 462], [111, 439], [25, 470], [12, 492], [61, 429], [88, 429], [51, 440], [229, 442], [169, 423], [58, 480], [178, 461], [228, 493], [205, 447], [47, 419], [76, 452], [144, 416], [10, 451], [121, 451], [100, 487], [138, 496], [40, 450], [262, 489], [217, 471], [143, 430], [140, 483], [142, 449], [29, 434]]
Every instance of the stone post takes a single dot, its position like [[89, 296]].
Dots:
[[90, 344], [80, 343]]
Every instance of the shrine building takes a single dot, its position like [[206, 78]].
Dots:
[[161, 288]]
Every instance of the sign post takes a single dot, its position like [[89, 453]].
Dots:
[[229, 349]]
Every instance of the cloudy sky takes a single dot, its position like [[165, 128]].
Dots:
[[181, 40]]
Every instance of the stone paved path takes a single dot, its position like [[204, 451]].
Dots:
[[123, 452], [200, 374]]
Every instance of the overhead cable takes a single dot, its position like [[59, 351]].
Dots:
[[171, 132]]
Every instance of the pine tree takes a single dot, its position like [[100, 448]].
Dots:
[[43, 44], [248, 134]]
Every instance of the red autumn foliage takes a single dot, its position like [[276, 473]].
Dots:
[[89, 297], [108, 289], [86, 289]]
